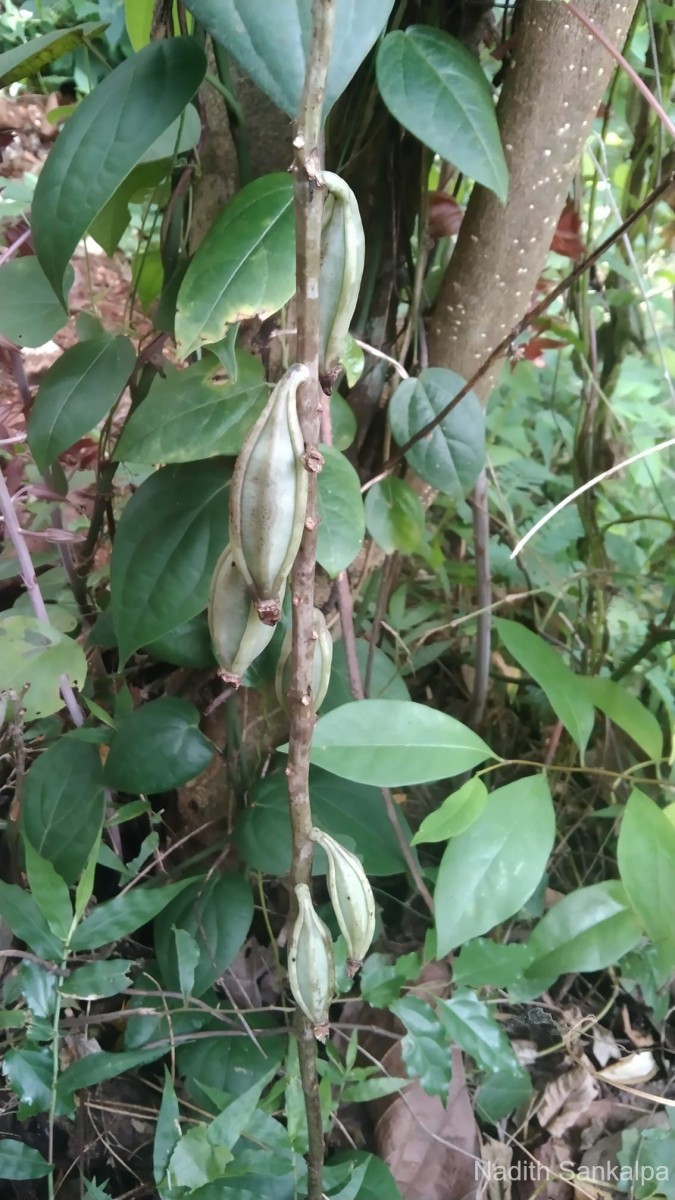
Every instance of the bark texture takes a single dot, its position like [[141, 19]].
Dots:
[[553, 87]]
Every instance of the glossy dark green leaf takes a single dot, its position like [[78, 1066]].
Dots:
[[646, 856], [231, 1064], [124, 914], [64, 790], [109, 225], [489, 871], [591, 928], [457, 812], [271, 42], [471, 1025], [244, 267], [18, 1161], [31, 57], [452, 456], [501, 1093], [29, 1074], [102, 1064], [26, 922], [351, 812], [30, 314], [385, 681], [392, 743], [97, 979], [49, 891], [377, 1183], [341, 516], [167, 1130], [566, 692], [100, 144], [394, 516], [425, 1049], [218, 914], [37, 986], [188, 645], [168, 541], [435, 87], [76, 393], [196, 413], [159, 747]]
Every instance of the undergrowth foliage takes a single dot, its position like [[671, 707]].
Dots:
[[519, 839]]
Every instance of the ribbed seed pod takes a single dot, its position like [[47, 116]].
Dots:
[[311, 970], [268, 497], [321, 663], [352, 898], [342, 255], [238, 635]]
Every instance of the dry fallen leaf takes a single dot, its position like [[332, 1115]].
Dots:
[[566, 1099], [636, 1068], [605, 1047]]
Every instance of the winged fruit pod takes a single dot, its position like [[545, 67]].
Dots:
[[343, 248], [352, 898], [238, 635], [311, 970], [268, 497], [321, 663]]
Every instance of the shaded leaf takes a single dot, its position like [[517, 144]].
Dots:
[[31, 57], [271, 42], [244, 267], [489, 871], [452, 456], [391, 743], [646, 857], [435, 87], [76, 393], [33, 652], [628, 713], [21, 1162], [30, 313], [341, 516], [64, 790], [218, 914], [103, 1064], [158, 747], [484, 963], [566, 692], [123, 915], [167, 544], [195, 413], [394, 516], [188, 645], [385, 681], [501, 1093], [587, 930], [97, 979], [29, 1074], [50, 892], [104, 139], [26, 922], [425, 1046]]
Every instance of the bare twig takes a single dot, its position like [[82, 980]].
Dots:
[[309, 201]]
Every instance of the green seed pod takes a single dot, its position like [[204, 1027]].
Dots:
[[311, 970], [238, 635], [352, 898], [321, 663], [342, 255], [268, 497]]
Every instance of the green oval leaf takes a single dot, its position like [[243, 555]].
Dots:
[[244, 267], [587, 930], [33, 652], [76, 393], [18, 1161], [394, 516], [355, 814], [341, 517], [646, 856], [343, 422], [456, 813], [218, 914], [271, 41], [31, 57], [470, 1024], [195, 413], [627, 712], [435, 87], [158, 747], [452, 456], [167, 544], [567, 693], [64, 790], [489, 871], [30, 314], [109, 133], [392, 743], [189, 645]]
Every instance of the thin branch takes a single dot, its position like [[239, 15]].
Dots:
[[15, 535], [309, 201], [530, 317], [481, 540]]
